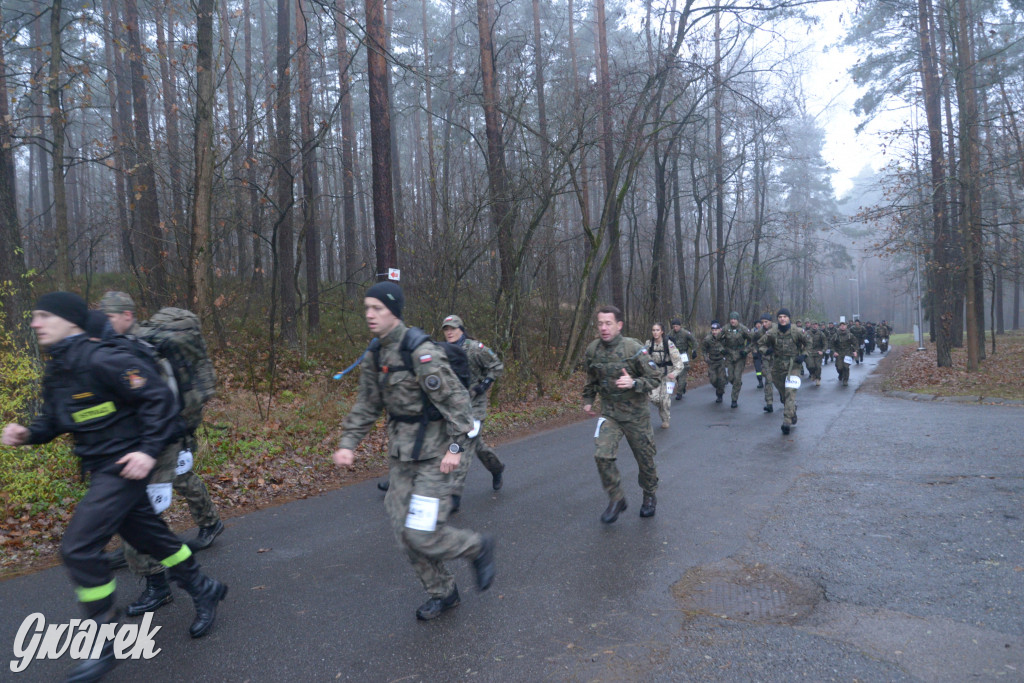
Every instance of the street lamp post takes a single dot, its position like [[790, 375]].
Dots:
[[857, 314]]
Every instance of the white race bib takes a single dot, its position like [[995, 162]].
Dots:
[[422, 513], [597, 432], [847, 360], [670, 387], [792, 382], [684, 357], [476, 429], [885, 340], [159, 496], [184, 462]]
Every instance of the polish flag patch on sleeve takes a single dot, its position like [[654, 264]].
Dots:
[[426, 358]]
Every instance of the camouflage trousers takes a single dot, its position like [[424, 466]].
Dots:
[[766, 373], [641, 441], [788, 396], [681, 380], [663, 399], [191, 488], [843, 368], [814, 365], [486, 455], [717, 377], [427, 550], [736, 368]]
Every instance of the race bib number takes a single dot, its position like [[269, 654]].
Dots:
[[670, 387], [422, 513], [793, 382], [684, 357], [184, 462], [885, 340], [597, 432], [847, 360], [159, 496]]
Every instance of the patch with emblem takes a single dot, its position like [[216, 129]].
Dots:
[[481, 345], [134, 379], [652, 364], [426, 358], [432, 382]]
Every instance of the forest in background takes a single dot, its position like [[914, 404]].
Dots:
[[261, 161]]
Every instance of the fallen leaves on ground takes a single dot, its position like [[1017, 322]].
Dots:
[[1000, 375]]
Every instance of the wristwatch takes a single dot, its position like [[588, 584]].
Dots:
[[454, 448]]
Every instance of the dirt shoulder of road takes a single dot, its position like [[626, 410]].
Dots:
[[910, 373]]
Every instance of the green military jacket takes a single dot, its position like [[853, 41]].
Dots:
[[818, 342], [882, 331], [859, 332], [685, 342], [783, 346], [401, 392], [714, 349], [736, 341], [483, 364], [604, 362], [845, 344]]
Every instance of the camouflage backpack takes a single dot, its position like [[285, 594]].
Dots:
[[176, 335]]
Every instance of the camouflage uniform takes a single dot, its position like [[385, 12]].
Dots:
[[624, 412], [815, 353], [666, 356], [784, 348], [859, 333], [736, 341], [830, 336], [401, 392], [485, 367], [766, 369], [714, 355], [844, 344], [188, 485], [685, 343]]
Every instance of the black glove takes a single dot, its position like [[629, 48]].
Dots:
[[800, 359], [482, 387]]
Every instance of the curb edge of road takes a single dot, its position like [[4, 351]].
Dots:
[[967, 400]]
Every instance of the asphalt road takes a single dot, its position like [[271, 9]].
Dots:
[[880, 541]]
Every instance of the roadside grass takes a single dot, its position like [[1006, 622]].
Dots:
[[905, 339], [1000, 375]]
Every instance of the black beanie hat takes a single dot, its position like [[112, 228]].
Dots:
[[67, 305], [389, 294], [96, 323], [783, 311], [676, 321]]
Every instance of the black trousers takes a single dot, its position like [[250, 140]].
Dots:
[[113, 505]]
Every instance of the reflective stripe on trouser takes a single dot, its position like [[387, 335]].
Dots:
[[485, 454], [736, 368], [788, 396], [190, 487], [641, 441], [112, 505], [716, 375], [427, 550], [661, 398], [766, 371]]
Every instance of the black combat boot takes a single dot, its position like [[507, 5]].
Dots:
[[718, 398], [156, 595], [768, 408], [433, 607], [102, 612], [384, 485], [496, 479], [611, 513], [649, 504], [456, 503], [204, 539], [734, 404], [785, 429], [205, 592], [483, 563]]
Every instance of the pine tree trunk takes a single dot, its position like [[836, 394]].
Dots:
[[60, 208], [201, 246], [349, 246], [380, 139], [310, 179]]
